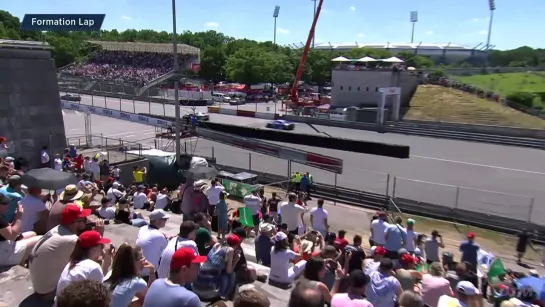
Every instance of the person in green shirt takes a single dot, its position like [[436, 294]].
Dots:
[[203, 237]]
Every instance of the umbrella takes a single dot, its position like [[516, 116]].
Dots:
[[537, 284], [392, 60], [366, 59], [341, 59], [47, 179], [200, 172]]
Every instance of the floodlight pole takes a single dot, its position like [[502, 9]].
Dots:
[[414, 19], [492, 6], [275, 15], [314, 16], [274, 39], [176, 85]]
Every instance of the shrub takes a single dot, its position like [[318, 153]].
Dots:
[[523, 98]]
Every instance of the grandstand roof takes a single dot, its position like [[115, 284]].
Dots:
[[392, 46], [146, 47]]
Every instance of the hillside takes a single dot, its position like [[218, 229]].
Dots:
[[437, 103]]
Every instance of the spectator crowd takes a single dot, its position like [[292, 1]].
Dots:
[[60, 238], [126, 67]]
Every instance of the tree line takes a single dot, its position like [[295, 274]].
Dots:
[[239, 60]]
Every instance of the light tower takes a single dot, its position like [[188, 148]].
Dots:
[[275, 15], [492, 7], [414, 20]]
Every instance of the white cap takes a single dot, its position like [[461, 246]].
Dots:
[[280, 236], [373, 250], [158, 214], [467, 288]]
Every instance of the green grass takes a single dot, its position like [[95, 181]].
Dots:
[[505, 84]]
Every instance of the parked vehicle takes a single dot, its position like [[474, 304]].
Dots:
[[71, 97]]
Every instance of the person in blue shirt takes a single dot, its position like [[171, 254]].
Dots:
[[396, 237], [470, 251], [14, 193], [305, 184], [73, 151], [193, 121]]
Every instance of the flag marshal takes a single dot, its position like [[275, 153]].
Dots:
[[62, 22]]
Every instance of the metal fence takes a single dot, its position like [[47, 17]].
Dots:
[[456, 197], [507, 205], [113, 150]]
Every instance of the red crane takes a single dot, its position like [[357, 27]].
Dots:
[[294, 92]]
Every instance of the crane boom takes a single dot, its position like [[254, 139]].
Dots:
[[294, 92]]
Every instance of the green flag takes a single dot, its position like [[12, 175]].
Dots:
[[495, 269], [246, 217], [422, 267]]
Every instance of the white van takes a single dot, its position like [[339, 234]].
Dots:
[[220, 97]]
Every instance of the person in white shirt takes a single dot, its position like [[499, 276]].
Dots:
[[293, 215], [281, 257], [185, 238], [85, 184], [44, 157], [152, 240], [57, 163], [253, 202], [116, 173], [465, 292], [140, 199], [87, 164], [410, 244], [113, 193], [378, 227], [318, 218], [94, 168], [84, 261], [213, 194], [106, 210], [162, 199], [35, 211]]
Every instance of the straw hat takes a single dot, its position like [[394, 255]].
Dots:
[[306, 246], [70, 193]]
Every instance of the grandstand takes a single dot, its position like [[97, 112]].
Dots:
[[439, 52], [130, 64]]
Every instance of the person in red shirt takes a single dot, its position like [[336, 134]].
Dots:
[[301, 200], [340, 242], [78, 162]]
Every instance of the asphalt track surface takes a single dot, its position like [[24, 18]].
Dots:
[[435, 168]]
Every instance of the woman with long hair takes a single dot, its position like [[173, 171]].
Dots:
[[124, 280], [85, 260], [220, 264], [314, 274]]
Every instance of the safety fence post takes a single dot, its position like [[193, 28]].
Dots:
[[250, 161], [394, 187], [457, 200], [387, 184], [531, 209]]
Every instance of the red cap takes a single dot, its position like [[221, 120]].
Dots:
[[408, 259], [185, 256], [71, 212], [471, 235], [91, 238], [233, 239], [379, 250], [2, 139]]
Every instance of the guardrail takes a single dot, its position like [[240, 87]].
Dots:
[[430, 130], [376, 201]]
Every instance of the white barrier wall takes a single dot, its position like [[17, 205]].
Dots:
[[190, 94]]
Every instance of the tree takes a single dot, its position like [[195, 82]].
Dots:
[[224, 58]]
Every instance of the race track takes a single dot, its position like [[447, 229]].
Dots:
[[481, 166]]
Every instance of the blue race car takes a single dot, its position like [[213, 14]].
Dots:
[[281, 124]]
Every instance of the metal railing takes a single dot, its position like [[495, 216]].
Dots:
[[492, 203], [113, 150]]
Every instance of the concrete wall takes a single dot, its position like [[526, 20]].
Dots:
[[30, 110], [361, 87]]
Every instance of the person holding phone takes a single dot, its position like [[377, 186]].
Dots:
[[431, 247]]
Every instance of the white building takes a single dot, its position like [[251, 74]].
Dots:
[[450, 52]]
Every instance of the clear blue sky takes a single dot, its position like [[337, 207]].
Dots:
[[516, 23]]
